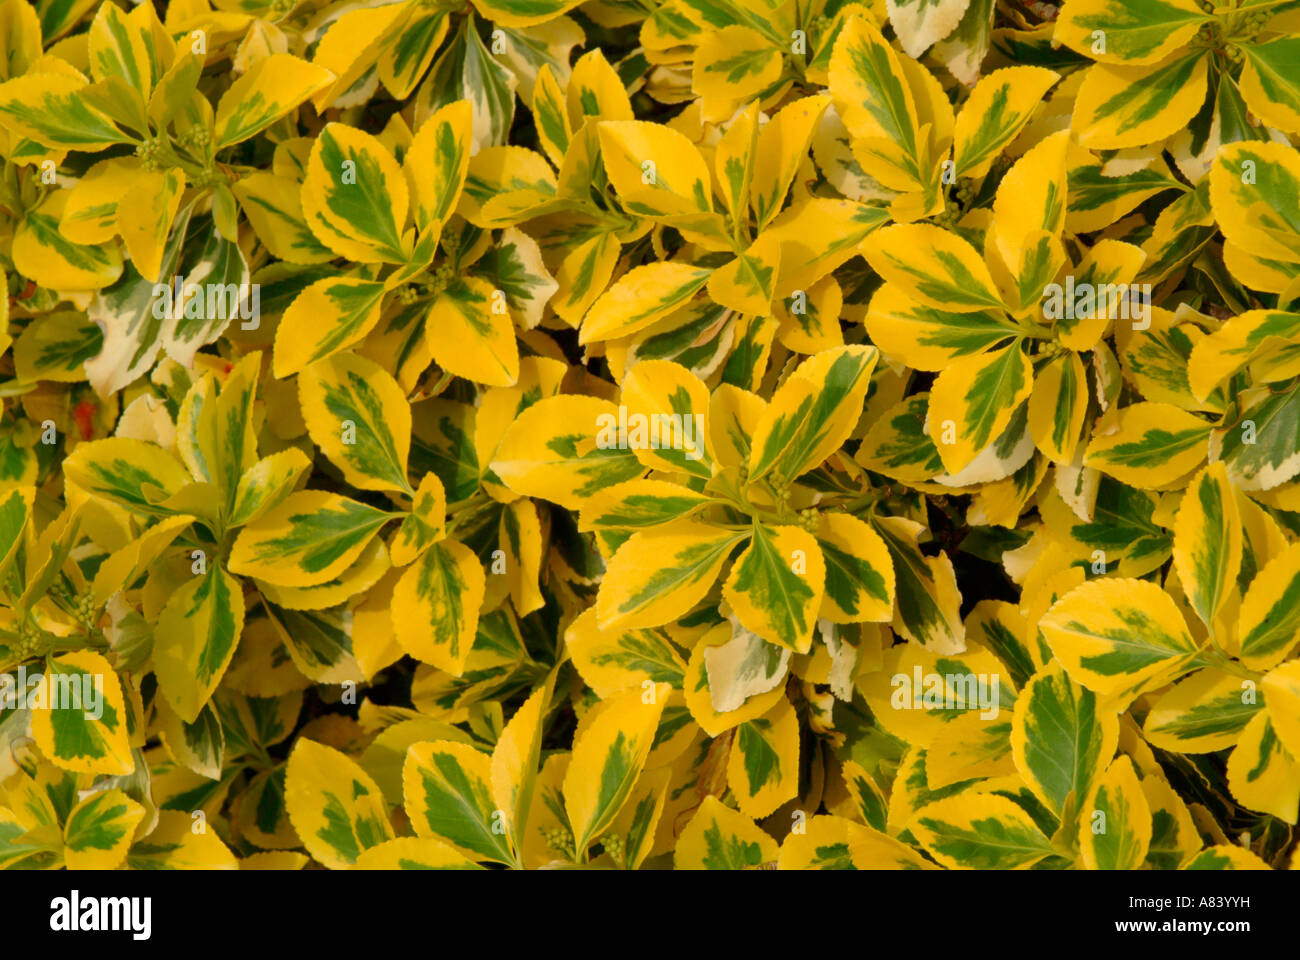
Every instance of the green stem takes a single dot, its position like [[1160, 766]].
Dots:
[[1223, 662]]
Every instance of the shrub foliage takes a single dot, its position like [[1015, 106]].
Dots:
[[702, 433]]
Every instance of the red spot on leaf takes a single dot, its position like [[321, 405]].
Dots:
[[83, 414]]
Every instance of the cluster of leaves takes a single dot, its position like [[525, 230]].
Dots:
[[378, 560]]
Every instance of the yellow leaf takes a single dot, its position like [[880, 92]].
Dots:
[[1155, 445], [763, 769], [515, 760], [436, 605], [334, 805], [1118, 637], [776, 585], [1115, 824], [272, 87], [656, 171], [80, 720], [608, 757], [1131, 106], [1262, 773], [719, 838], [659, 574]]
